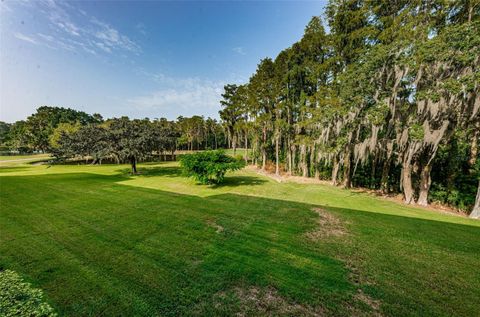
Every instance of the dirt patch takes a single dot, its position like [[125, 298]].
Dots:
[[256, 301], [285, 177], [214, 225], [328, 225]]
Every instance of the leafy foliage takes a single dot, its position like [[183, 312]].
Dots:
[[209, 167], [371, 102], [18, 298], [43, 130]]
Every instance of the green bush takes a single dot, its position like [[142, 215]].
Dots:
[[18, 298], [209, 167]]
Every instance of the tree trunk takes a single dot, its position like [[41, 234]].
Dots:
[[234, 145], [425, 182], [475, 214], [336, 166], [264, 159], [277, 166], [313, 163], [254, 152], [407, 182], [289, 157], [294, 157], [246, 149], [406, 174], [347, 163], [374, 170], [133, 162], [385, 174], [386, 169], [264, 150], [470, 12], [474, 148], [303, 155]]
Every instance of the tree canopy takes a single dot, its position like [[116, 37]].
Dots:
[[388, 100]]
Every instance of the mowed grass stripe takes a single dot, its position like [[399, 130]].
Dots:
[[99, 247], [70, 241]]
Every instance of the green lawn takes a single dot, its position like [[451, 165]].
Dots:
[[100, 242], [20, 159]]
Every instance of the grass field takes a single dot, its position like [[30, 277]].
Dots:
[[22, 159], [101, 242]]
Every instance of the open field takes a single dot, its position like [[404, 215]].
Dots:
[[99, 241]]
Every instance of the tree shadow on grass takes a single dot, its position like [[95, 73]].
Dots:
[[163, 171], [174, 171], [166, 250], [12, 169], [235, 181]]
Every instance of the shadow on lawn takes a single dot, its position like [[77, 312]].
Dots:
[[12, 169], [163, 171], [235, 181], [173, 171], [166, 249]]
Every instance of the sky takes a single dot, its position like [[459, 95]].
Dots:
[[137, 58]]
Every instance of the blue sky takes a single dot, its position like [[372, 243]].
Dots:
[[141, 59]]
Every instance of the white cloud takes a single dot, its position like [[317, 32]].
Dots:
[[73, 32], [239, 50], [69, 27], [103, 47], [25, 38], [46, 37], [111, 38], [184, 96]]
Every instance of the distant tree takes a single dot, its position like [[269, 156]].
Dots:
[[20, 137], [231, 112], [60, 130], [121, 139], [45, 120], [262, 100], [90, 141], [164, 136], [130, 140], [4, 132], [193, 131]]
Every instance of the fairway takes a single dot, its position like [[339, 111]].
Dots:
[[99, 241]]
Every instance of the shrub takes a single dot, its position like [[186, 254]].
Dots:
[[209, 167], [18, 298]]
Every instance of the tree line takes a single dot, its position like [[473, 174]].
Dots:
[[388, 99], [70, 134]]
